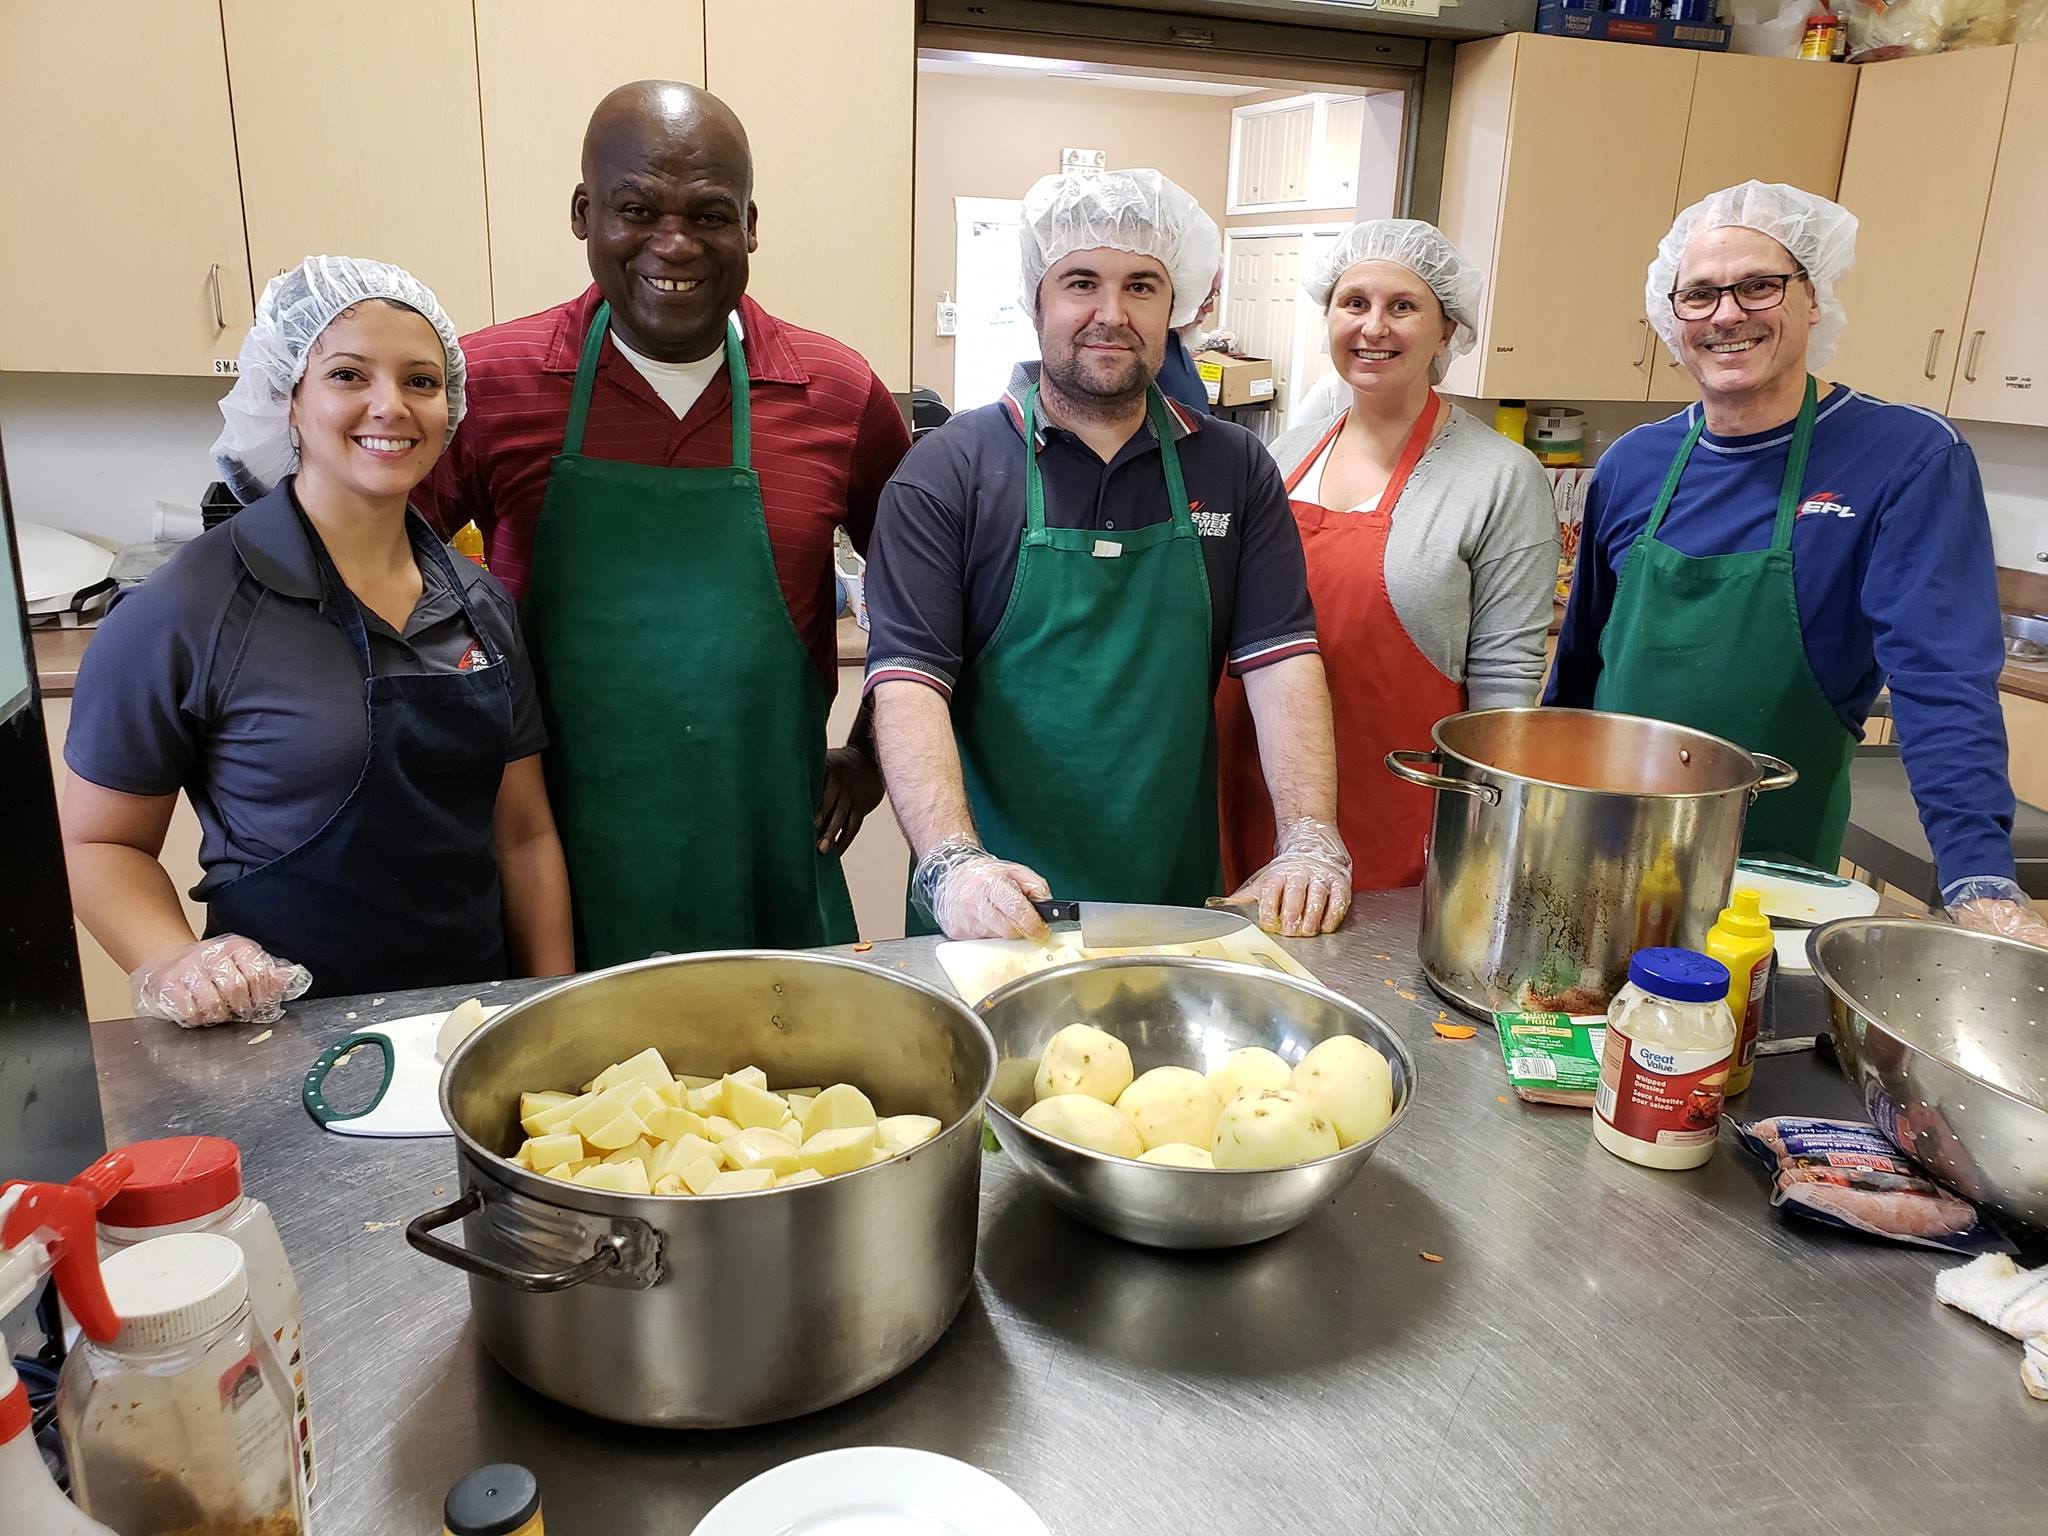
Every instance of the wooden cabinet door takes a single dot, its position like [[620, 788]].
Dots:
[[1763, 120], [1596, 132], [537, 101], [832, 161], [2003, 374], [1922, 146], [121, 246], [358, 139]]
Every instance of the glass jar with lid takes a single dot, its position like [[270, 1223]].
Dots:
[[182, 1426], [1664, 1072]]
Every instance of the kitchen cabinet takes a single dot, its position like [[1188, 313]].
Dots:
[[121, 240], [832, 161], [542, 67], [2002, 372], [2026, 738], [360, 140], [1562, 167], [1762, 119], [1917, 174]]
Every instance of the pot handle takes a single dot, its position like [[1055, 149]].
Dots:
[[1782, 775], [610, 1252], [1402, 766]]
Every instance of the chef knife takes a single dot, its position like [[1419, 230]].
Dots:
[[1134, 925]]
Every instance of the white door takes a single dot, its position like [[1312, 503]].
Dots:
[[1261, 289], [995, 334], [1311, 335]]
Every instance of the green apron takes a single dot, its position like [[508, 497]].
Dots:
[[1086, 732], [686, 720], [1714, 642]]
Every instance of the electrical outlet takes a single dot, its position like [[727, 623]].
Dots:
[[949, 318]]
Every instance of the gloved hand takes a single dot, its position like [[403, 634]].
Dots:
[[853, 787], [972, 894], [216, 981], [1306, 889], [2009, 919]]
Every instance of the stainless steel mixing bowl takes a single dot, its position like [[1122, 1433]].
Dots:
[[1175, 1011], [1945, 1034]]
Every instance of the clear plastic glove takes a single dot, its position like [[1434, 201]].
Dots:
[[2008, 917], [972, 894], [217, 981], [1306, 890]]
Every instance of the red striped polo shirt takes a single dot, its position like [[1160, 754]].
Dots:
[[827, 436]]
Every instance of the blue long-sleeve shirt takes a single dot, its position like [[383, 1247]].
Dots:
[[1894, 575]]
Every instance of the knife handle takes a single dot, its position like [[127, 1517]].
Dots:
[[1056, 911]]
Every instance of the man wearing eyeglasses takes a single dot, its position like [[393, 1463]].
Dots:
[[1762, 564]]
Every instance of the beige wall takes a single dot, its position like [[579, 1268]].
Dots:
[[983, 137]]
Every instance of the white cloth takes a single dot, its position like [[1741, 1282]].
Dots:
[[1310, 487], [680, 385], [1993, 1289]]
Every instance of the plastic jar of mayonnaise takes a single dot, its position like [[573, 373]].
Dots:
[[1665, 1069]]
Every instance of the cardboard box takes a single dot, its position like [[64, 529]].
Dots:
[[1570, 21], [1235, 380]]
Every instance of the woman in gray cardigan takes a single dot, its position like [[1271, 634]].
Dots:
[[1431, 544]]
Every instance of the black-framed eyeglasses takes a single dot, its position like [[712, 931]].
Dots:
[[1700, 300]]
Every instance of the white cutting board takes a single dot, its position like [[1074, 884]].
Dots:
[[976, 967], [410, 1104], [1808, 903]]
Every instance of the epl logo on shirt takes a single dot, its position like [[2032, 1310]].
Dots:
[[1210, 525], [473, 658], [1824, 503]]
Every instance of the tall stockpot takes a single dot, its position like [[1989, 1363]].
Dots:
[[714, 1311], [1566, 839]]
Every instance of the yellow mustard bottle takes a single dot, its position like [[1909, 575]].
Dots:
[[1741, 940], [469, 541]]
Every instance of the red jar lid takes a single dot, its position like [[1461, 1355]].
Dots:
[[180, 1178]]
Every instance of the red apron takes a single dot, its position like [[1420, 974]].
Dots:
[[1384, 693]]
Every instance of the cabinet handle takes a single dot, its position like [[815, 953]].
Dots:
[[1933, 350], [1643, 352], [1970, 362], [220, 320]]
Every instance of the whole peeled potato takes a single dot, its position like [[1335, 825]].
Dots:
[[1271, 1128], [1083, 1059], [1350, 1085], [1178, 1154], [1087, 1122], [1171, 1104], [1252, 1066]]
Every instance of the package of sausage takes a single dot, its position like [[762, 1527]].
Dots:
[[1846, 1174]]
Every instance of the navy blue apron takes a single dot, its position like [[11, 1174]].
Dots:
[[399, 887]]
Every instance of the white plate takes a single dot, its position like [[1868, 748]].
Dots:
[[872, 1490], [1809, 903]]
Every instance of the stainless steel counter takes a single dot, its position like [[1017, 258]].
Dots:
[[1601, 1349]]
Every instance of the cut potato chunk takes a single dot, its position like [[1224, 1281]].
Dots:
[[753, 1075], [1272, 1128], [799, 1102], [463, 1020], [801, 1176], [1087, 1122], [840, 1107], [899, 1133], [566, 1172], [1351, 1086], [807, 1092], [619, 1178], [647, 1067], [741, 1181], [757, 1147], [717, 1127], [689, 1082], [1084, 1059], [673, 1156], [671, 1093], [541, 1152], [1178, 1154], [534, 1103], [599, 1109], [671, 1124], [639, 1150], [708, 1100], [839, 1150], [697, 1176], [669, 1184], [622, 1130], [750, 1106], [556, 1117], [645, 1101], [1170, 1104], [1252, 1066]]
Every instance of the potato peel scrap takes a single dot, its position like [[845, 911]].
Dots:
[[1431, 1258], [1453, 1031], [864, 946]]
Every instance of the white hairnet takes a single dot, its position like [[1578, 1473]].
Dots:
[[1820, 235], [1424, 250], [1138, 211], [254, 450]]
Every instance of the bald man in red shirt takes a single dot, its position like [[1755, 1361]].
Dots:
[[658, 466]]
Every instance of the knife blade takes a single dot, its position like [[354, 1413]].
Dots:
[[1796, 872], [1137, 925]]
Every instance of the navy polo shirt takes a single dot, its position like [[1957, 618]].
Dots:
[[224, 675], [944, 552]]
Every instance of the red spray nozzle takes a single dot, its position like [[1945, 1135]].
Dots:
[[66, 1216]]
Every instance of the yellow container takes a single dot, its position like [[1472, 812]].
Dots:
[[1741, 940], [469, 541]]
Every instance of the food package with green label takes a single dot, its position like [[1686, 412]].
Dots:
[[1552, 1058]]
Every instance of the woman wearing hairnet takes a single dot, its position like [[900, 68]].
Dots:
[[1431, 543], [349, 709], [1760, 565]]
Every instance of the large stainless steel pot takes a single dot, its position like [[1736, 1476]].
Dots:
[[721, 1310], [1566, 839], [1945, 1034]]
